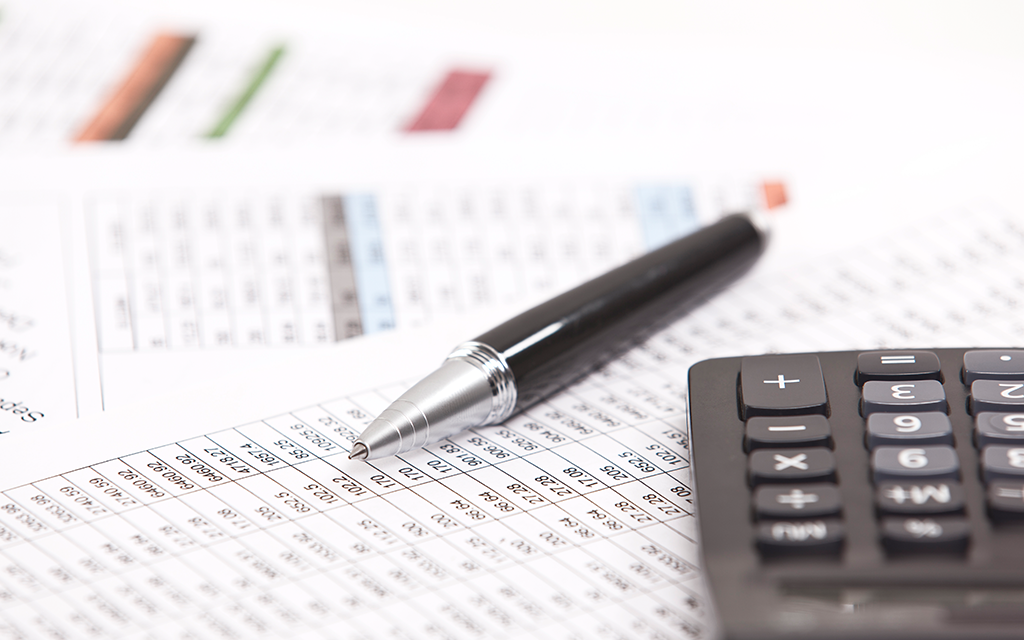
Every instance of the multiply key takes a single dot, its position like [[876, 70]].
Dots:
[[812, 464]]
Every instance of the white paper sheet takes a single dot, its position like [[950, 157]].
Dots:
[[140, 274], [574, 519], [254, 72], [281, 74]]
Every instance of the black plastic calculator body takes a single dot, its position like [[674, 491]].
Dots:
[[862, 495]]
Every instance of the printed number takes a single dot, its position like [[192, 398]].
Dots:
[[899, 393], [1014, 421], [1010, 388], [1016, 458], [907, 424], [915, 458]]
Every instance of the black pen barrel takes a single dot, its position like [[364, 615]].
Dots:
[[568, 336]]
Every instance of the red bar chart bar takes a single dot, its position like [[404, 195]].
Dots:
[[151, 73], [450, 101]]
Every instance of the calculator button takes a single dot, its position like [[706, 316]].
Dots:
[[993, 364], [797, 501], [763, 432], [1006, 497], [915, 498], [813, 464], [905, 429], [993, 395], [937, 462], [917, 396], [801, 536], [897, 365], [999, 428], [1002, 463], [782, 385], [942, 533]]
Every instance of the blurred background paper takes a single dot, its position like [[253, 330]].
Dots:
[[842, 85]]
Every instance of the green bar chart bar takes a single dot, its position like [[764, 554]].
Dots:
[[257, 79]]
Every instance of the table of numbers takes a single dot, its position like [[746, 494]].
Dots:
[[572, 520], [206, 271]]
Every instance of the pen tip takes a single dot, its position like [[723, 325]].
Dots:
[[359, 452]]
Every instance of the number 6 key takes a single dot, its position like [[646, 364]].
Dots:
[[900, 463]]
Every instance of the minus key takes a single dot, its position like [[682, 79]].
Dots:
[[786, 431]]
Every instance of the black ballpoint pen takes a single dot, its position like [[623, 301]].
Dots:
[[518, 363]]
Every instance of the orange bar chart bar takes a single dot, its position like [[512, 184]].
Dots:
[[774, 193], [450, 101], [151, 73]]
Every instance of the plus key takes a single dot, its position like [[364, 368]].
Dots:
[[782, 385]]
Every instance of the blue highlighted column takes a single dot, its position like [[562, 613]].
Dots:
[[666, 213], [371, 271]]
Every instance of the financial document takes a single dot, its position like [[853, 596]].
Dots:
[[147, 273], [574, 519], [109, 71], [236, 72]]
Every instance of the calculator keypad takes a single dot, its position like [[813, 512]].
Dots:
[[996, 379], [896, 482], [784, 401], [914, 466]]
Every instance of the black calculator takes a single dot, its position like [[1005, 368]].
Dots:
[[862, 495]]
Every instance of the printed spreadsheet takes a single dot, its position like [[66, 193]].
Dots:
[[574, 519]]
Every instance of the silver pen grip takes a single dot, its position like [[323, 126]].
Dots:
[[473, 387]]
